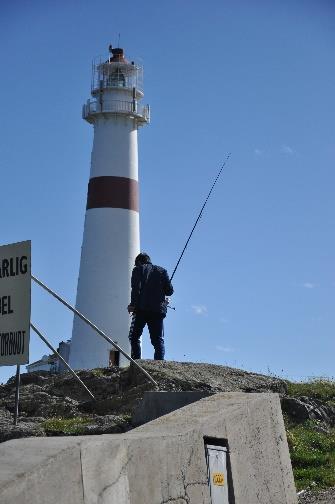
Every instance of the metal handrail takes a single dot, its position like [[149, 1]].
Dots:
[[61, 358], [93, 326]]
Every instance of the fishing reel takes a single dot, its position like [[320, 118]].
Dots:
[[167, 302]]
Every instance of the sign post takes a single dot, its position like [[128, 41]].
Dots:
[[17, 392], [15, 303], [15, 306]]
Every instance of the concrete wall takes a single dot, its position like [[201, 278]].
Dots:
[[157, 404], [160, 462]]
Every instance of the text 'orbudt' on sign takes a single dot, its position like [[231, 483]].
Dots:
[[15, 303]]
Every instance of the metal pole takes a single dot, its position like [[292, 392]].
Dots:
[[17, 394], [96, 329], [61, 358]]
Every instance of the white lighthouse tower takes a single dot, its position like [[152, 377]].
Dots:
[[111, 233]]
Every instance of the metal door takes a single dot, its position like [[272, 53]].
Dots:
[[217, 473]]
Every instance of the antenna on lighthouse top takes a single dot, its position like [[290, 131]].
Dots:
[[118, 41]]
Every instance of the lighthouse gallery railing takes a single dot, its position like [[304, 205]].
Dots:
[[141, 112]]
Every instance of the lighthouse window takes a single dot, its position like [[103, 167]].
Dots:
[[116, 79]]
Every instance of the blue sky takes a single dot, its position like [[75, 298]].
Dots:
[[256, 286]]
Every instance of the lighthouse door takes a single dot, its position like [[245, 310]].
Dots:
[[218, 474], [114, 358]]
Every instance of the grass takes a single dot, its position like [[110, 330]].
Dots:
[[65, 426], [318, 388], [98, 372], [312, 455], [312, 450]]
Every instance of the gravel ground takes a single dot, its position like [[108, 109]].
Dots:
[[321, 497]]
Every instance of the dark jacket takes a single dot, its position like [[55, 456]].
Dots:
[[149, 286]]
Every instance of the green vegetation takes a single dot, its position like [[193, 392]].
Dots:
[[318, 388], [65, 426], [312, 444], [99, 372], [312, 454]]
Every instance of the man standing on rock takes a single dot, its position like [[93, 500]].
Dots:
[[149, 286]]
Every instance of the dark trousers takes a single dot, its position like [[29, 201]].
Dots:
[[156, 331]]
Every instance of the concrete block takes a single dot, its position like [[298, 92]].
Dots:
[[162, 461], [157, 404], [40, 473]]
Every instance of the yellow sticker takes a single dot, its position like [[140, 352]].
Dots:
[[218, 479]]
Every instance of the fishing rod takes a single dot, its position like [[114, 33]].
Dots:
[[200, 214]]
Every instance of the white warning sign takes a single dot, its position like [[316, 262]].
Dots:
[[15, 303]]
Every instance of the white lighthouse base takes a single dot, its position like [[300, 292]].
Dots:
[[111, 237]]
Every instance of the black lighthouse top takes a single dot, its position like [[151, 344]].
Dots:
[[117, 55]]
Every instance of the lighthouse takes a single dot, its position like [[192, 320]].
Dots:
[[111, 237]]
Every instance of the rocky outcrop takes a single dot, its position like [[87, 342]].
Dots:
[[37, 402], [303, 408], [44, 396], [213, 378], [118, 392], [28, 427]]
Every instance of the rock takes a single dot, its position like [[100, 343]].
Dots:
[[188, 376], [320, 497], [34, 401], [303, 408], [5, 418], [34, 419], [21, 430], [10, 431], [27, 394], [108, 424], [124, 403], [322, 428], [102, 407], [101, 383], [36, 377]]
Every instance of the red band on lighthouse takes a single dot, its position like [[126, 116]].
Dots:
[[113, 192]]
